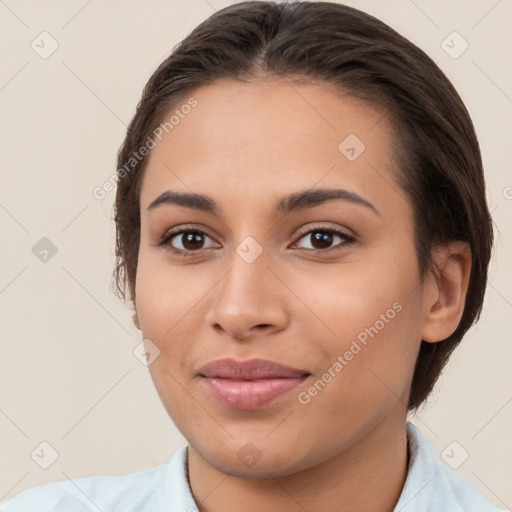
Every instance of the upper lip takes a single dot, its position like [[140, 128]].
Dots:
[[249, 370]]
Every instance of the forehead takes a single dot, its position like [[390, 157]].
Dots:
[[267, 138]]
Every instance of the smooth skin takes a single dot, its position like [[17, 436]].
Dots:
[[246, 145]]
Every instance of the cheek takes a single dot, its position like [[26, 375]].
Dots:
[[168, 299], [164, 290], [373, 316], [351, 298]]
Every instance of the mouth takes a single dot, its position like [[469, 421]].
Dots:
[[249, 384]]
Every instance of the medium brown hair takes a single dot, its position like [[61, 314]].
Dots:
[[436, 149]]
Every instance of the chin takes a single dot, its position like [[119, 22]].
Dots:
[[261, 459]]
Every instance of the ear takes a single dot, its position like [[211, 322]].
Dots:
[[445, 292], [135, 319]]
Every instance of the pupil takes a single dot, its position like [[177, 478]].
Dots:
[[192, 241], [322, 238]]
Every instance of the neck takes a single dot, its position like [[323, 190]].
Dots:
[[368, 477]]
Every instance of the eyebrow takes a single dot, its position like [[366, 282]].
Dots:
[[294, 202]]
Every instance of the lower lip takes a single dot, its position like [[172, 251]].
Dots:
[[249, 394]]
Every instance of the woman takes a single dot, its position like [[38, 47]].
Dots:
[[303, 233]]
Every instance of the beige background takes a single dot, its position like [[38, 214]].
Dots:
[[67, 372]]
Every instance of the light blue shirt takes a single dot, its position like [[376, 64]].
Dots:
[[430, 486]]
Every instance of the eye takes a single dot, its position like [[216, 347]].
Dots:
[[185, 241], [321, 239]]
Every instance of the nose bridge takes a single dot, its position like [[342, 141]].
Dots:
[[246, 297], [246, 284]]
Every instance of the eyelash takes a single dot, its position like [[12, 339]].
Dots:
[[347, 239]]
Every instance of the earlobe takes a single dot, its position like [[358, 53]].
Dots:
[[445, 293], [135, 320]]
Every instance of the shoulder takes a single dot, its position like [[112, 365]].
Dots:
[[138, 491], [430, 485]]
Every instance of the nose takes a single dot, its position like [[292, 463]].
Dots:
[[249, 301]]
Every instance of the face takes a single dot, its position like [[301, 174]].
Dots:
[[286, 306]]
